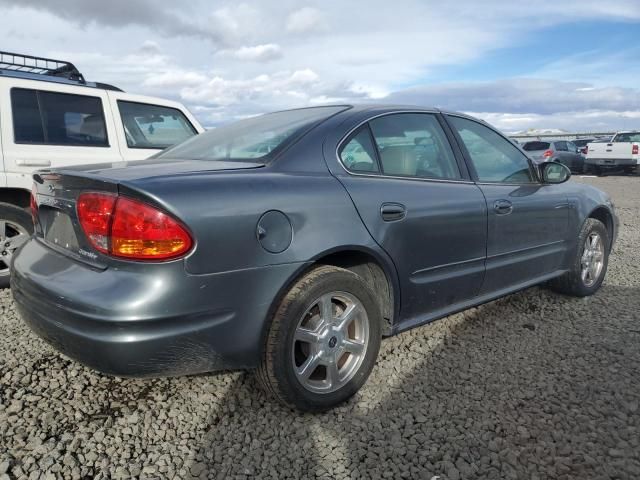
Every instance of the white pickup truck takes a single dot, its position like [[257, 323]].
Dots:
[[623, 151], [51, 116]]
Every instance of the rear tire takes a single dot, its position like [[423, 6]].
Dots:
[[589, 266], [316, 356], [15, 228]]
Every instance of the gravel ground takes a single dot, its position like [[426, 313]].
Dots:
[[535, 386]]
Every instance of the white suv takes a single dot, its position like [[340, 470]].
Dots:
[[50, 116]]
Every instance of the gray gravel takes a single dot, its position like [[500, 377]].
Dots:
[[535, 386]]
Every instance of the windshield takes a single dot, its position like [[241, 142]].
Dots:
[[533, 146], [627, 137], [256, 138]]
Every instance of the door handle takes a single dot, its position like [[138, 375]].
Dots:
[[392, 212], [503, 207], [33, 162]]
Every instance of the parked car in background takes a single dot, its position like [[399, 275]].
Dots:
[[581, 144], [561, 151], [50, 116], [621, 152], [357, 222]]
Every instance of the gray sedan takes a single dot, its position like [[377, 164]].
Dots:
[[292, 242], [561, 151]]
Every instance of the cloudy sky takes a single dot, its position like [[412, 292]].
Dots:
[[571, 64]]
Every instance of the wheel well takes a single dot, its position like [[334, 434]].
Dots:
[[603, 215], [15, 196], [367, 267]]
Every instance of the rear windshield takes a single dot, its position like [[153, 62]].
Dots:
[[627, 137], [533, 146], [254, 139], [582, 142]]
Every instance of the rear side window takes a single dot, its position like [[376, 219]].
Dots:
[[562, 146], [52, 118], [153, 126], [494, 158], [534, 146], [414, 145], [358, 154]]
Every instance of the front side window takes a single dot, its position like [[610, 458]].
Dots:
[[153, 126], [52, 118], [414, 145], [358, 154], [494, 158]]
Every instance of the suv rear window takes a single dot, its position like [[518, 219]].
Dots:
[[534, 146], [52, 118], [153, 126]]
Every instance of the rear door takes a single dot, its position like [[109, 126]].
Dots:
[[420, 206], [47, 125], [563, 155], [528, 221]]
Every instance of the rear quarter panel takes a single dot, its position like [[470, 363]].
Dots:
[[222, 210]]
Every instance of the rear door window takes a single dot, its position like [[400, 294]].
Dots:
[[414, 145], [153, 126], [561, 146], [52, 118]]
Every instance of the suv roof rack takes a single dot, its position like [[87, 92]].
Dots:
[[39, 65], [39, 68]]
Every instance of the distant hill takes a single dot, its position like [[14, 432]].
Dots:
[[541, 131]]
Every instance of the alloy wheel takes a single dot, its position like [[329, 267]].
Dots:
[[12, 236], [592, 260], [330, 342]]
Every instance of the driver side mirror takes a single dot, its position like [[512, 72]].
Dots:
[[554, 172]]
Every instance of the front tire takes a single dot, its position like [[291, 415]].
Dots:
[[590, 263], [323, 340], [16, 227]]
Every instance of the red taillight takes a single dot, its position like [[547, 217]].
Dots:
[[548, 154], [123, 227], [94, 214], [586, 149], [634, 149], [33, 204], [143, 232]]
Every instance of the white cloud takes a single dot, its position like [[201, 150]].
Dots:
[[233, 59], [257, 53], [304, 20]]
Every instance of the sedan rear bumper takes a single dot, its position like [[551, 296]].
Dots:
[[152, 320]]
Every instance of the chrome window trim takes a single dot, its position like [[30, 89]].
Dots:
[[396, 177]]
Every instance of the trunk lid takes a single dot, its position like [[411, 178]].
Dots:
[[56, 193]]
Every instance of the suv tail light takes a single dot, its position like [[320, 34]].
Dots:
[[634, 149], [548, 154], [586, 149], [127, 228], [33, 204]]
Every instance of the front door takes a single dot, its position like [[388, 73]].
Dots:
[[407, 186], [528, 220]]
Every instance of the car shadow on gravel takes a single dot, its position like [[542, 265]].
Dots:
[[535, 385]]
